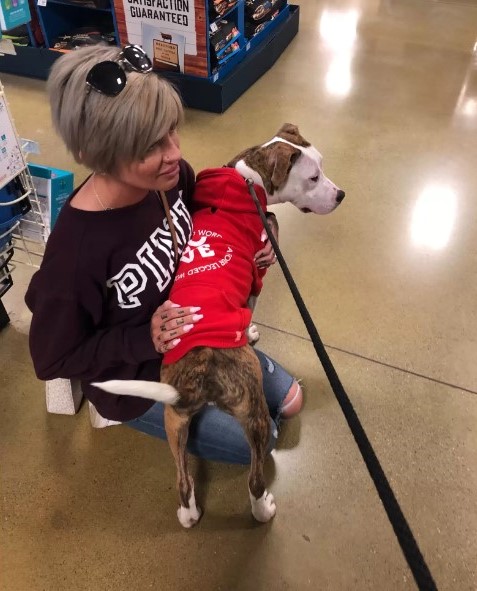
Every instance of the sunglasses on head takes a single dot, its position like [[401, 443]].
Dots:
[[109, 77]]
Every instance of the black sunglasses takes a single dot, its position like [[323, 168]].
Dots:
[[109, 77]]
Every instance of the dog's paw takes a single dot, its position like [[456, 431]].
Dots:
[[252, 334], [264, 508], [188, 517]]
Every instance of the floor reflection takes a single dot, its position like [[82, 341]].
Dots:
[[466, 107], [433, 218], [338, 31]]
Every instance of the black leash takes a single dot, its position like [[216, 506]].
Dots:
[[406, 539]]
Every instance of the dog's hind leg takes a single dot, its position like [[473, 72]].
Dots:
[[245, 400], [177, 428], [258, 432]]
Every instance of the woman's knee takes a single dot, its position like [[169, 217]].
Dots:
[[213, 434], [282, 391], [243, 452], [293, 401]]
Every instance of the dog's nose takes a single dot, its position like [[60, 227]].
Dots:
[[340, 195]]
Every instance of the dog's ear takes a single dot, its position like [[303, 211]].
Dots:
[[290, 132], [288, 128], [281, 158]]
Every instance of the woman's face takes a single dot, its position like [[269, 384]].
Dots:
[[159, 170]]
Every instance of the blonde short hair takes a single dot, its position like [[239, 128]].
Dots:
[[105, 132]]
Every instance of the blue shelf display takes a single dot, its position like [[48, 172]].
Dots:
[[251, 18], [66, 25], [217, 93], [200, 44]]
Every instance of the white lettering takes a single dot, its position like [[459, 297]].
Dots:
[[129, 282], [209, 234], [156, 255], [180, 212], [225, 260], [200, 269], [146, 256], [199, 246]]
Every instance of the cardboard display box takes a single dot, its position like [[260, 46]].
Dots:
[[53, 187]]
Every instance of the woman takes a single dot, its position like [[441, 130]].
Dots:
[[99, 300]]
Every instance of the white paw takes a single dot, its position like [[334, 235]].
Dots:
[[252, 334], [264, 508], [188, 517]]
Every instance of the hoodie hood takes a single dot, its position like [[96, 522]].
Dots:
[[225, 189]]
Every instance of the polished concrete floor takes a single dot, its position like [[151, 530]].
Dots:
[[387, 89]]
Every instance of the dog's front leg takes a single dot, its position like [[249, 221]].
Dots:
[[177, 429], [252, 331]]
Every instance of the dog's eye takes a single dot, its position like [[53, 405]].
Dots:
[[315, 179]]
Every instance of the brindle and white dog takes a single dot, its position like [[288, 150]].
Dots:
[[288, 169]]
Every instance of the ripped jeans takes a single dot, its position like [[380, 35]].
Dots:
[[217, 436]]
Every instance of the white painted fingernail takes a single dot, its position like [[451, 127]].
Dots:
[[175, 342], [197, 317], [195, 309], [187, 327], [175, 305]]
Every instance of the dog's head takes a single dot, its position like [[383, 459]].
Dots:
[[290, 169]]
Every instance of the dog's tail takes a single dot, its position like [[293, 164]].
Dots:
[[150, 390]]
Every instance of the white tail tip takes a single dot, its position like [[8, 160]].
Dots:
[[151, 390]]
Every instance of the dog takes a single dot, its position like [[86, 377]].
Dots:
[[213, 363]]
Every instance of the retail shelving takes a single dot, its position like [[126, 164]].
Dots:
[[204, 83]]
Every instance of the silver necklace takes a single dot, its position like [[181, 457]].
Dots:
[[98, 197]]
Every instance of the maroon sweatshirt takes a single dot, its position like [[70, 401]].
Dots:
[[103, 275], [217, 270]]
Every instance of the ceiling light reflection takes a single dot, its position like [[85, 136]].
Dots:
[[434, 216]]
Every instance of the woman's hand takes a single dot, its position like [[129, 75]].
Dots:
[[266, 257], [170, 322]]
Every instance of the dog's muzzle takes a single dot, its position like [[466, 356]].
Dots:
[[340, 195]]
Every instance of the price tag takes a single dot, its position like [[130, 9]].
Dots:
[[213, 27], [248, 46], [41, 2]]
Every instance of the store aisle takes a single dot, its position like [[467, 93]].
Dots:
[[387, 90]]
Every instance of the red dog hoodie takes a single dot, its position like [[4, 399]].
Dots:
[[217, 270]]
